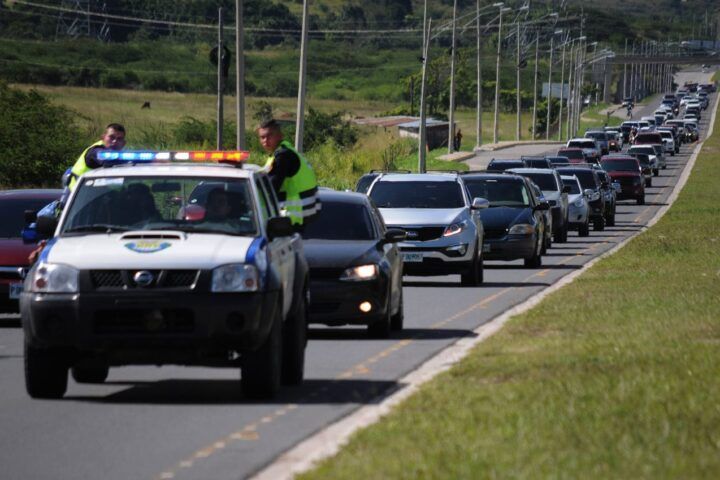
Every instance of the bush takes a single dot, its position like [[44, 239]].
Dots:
[[38, 140], [321, 127]]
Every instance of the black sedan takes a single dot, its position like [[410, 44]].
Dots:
[[355, 265], [515, 223]]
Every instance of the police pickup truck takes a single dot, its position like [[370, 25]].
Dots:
[[167, 259]]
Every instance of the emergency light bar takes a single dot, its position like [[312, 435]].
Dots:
[[145, 156]]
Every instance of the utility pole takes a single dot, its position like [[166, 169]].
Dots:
[[300, 121], [517, 83], [534, 116], [451, 117], [632, 74], [478, 123], [562, 91], [425, 21], [571, 88], [625, 72], [240, 74], [549, 96], [220, 81], [423, 85], [497, 77]]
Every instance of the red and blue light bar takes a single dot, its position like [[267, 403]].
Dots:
[[147, 156]]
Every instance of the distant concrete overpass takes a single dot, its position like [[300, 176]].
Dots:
[[665, 60]]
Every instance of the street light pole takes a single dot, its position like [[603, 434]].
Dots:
[[451, 117], [562, 91], [534, 116], [478, 124], [549, 95], [300, 121], [517, 84], [497, 73]]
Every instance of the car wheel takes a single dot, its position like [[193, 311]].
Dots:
[[641, 200], [262, 368], [561, 235], [656, 172], [474, 276], [535, 261], [381, 327], [664, 167], [610, 220], [294, 341], [46, 372], [599, 224], [672, 153], [397, 320], [648, 182], [584, 229], [96, 374]]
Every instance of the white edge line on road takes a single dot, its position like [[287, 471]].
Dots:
[[329, 440]]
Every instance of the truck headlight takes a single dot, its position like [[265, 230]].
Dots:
[[522, 229], [55, 278], [360, 273], [454, 229], [235, 278]]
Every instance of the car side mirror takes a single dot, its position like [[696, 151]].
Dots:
[[394, 235], [279, 227], [46, 226], [479, 203], [542, 206], [566, 189], [29, 234]]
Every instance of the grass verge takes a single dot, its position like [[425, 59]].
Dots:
[[614, 376]]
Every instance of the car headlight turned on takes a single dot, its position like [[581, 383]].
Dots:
[[360, 273], [522, 229], [454, 229], [55, 278], [235, 278]]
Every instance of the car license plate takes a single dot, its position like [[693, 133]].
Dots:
[[412, 257], [486, 247], [15, 290]]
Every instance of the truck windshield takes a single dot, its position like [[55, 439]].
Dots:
[[188, 204]]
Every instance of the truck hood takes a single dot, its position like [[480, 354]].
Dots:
[[176, 250], [420, 216]]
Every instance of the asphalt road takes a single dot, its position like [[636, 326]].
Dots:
[[192, 423]]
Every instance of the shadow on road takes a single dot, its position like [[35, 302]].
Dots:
[[227, 392], [9, 322], [345, 333]]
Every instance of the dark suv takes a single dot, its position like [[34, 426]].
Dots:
[[590, 180]]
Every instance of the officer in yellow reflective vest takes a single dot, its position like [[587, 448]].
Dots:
[[291, 175], [113, 138]]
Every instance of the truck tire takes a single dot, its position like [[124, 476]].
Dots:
[[262, 368], [294, 342], [95, 374], [46, 372]]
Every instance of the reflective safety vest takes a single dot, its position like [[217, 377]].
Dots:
[[298, 194], [80, 166]]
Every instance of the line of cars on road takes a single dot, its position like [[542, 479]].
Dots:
[[144, 268]]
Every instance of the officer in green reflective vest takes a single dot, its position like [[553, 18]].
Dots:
[[291, 175], [113, 138]]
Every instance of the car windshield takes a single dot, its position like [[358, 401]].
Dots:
[[620, 165], [573, 184], [649, 150], [581, 144], [586, 177], [500, 192], [575, 154], [12, 215], [365, 181], [419, 194], [340, 221], [187, 204], [596, 135], [546, 181]]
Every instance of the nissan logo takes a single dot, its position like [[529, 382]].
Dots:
[[143, 278]]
